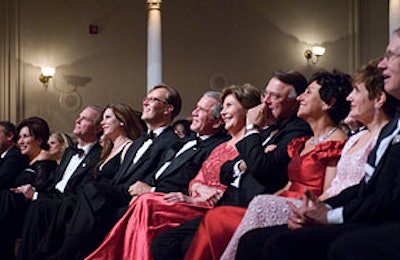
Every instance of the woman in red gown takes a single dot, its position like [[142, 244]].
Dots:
[[312, 167], [152, 213]]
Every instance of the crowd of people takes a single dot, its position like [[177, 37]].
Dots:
[[303, 169]]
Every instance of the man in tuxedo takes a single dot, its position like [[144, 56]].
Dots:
[[180, 164], [366, 215], [272, 123], [12, 162], [80, 226], [74, 171]]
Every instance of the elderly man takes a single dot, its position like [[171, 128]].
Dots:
[[246, 175], [73, 172], [179, 166], [364, 218], [81, 225]]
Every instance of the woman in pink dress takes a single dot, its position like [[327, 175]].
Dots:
[[152, 213], [371, 107]]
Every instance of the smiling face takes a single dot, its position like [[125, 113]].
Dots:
[[233, 114], [311, 104], [55, 146], [361, 106], [112, 127], [155, 106], [390, 66], [276, 97], [203, 121], [28, 145]]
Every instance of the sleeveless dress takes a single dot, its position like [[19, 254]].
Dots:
[[305, 171], [149, 215], [349, 171], [108, 170]]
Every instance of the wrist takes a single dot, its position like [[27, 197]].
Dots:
[[252, 126]]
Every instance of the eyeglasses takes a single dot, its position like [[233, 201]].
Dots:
[[154, 99], [389, 56], [272, 96]]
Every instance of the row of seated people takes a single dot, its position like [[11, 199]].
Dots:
[[140, 186]]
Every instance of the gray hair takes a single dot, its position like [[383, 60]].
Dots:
[[216, 110], [293, 94], [99, 112]]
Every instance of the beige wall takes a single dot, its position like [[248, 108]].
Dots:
[[206, 44]]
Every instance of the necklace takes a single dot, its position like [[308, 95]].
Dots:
[[116, 147], [322, 137]]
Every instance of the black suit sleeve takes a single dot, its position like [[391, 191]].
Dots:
[[10, 169], [378, 200], [272, 166]]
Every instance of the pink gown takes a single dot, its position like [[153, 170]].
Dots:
[[350, 170], [150, 215]]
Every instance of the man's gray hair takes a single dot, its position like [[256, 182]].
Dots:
[[216, 110]]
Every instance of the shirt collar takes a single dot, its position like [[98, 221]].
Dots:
[[86, 148]]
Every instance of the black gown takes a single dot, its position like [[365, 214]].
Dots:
[[13, 206]]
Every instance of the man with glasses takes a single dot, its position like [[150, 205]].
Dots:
[[363, 221], [81, 225], [254, 171]]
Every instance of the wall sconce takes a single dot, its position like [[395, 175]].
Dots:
[[316, 51], [46, 75]]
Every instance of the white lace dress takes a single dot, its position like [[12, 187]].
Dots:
[[350, 170]]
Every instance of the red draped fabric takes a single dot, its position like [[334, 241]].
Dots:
[[147, 217], [213, 239], [305, 172]]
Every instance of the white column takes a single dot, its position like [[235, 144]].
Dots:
[[154, 52], [394, 16]]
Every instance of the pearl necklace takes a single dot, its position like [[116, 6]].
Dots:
[[322, 137]]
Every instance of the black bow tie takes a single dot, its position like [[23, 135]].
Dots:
[[149, 135], [78, 151]]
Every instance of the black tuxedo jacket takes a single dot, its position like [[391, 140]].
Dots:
[[11, 166], [377, 200], [270, 169], [82, 175], [102, 203], [248, 186], [183, 169]]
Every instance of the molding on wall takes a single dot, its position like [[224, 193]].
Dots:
[[354, 32], [11, 102]]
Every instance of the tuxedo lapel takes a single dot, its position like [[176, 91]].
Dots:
[[176, 163], [85, 166], [128, 165], [63, 165], [376, 158]]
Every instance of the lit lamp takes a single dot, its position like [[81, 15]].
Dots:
[[316, 51], [46, 75]]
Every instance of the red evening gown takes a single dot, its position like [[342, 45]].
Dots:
[[304, 172], [150, 215]]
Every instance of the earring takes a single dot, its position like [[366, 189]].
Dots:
[[121, 124]]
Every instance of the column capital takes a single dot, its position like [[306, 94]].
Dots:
[[154, 4]]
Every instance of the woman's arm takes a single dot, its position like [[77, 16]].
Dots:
[[330, 174]]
